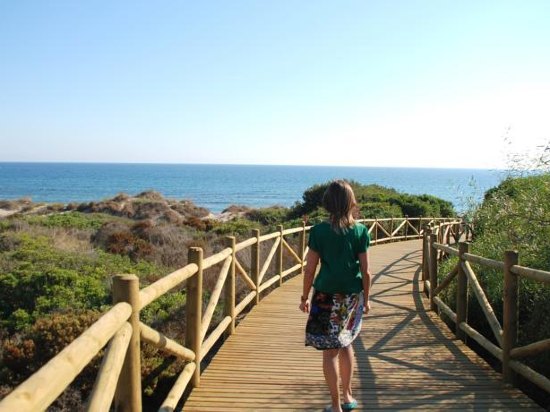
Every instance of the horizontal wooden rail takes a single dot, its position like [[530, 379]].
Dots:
[[445, 309], [482, 340], [292, 231], [268, 283], [217, 258], [269, 236], [214, 336], [161, 286], [534, 274], [247, 243], [531, 349], [447, 249], [491, 263], [244, 303], [291, 270], [540, 380]]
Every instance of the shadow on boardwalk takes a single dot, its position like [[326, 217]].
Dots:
[[406, 358]]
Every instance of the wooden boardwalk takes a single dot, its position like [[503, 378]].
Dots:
[[406, 357]]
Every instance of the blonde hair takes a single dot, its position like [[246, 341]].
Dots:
[[339, 201]]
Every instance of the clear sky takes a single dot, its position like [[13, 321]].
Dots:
[[431, 83]]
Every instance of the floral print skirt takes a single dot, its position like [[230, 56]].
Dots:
[[334, 319]]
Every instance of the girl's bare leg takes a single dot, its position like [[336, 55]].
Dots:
[[346, 371], [330, 369]]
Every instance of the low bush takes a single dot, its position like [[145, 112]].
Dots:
[[75, 220], [382, 201]]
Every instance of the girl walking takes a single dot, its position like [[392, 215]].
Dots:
[[341, 290]]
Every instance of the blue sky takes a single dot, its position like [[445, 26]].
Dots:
[[357, 83]]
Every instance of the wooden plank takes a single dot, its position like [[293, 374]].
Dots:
[[405, 356]]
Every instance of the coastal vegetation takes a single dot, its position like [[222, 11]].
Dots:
[[515, 215], [56, 264]]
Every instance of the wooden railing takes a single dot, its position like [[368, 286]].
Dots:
[[120, 329], [505, 335]]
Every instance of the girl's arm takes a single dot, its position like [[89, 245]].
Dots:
[[309, 273], [365, 271]]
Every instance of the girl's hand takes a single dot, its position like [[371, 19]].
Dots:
[[366, 308], [304, 306]]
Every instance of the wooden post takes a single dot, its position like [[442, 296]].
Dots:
[[229, 307], [375, 230], [440, 234], [255, 263], [461, 292], [510, 315], [425, 257], [433, 269], [420, 225], [425, 260], [280, 256], [128, 391], [193, 311], [406, 227], [391, 226], [303, 246]]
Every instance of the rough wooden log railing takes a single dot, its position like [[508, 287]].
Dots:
[[120, 331], [436, 246]]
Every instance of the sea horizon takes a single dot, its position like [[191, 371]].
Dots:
[[218, 186]]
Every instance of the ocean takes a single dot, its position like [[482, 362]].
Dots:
[[219, 186]]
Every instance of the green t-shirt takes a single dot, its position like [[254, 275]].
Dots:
[[340, 271]]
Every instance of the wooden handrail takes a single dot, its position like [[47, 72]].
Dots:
[[161, 286], [534, 274], [35, 394], [506, 336]]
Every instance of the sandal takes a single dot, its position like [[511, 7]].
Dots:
[[348, 406]]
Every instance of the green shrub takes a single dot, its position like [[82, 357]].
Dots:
[[237, 227], [385, 202], [371, 210], [75, 220], [269, 216], [515, 215], [163, 308], [39, 279]]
